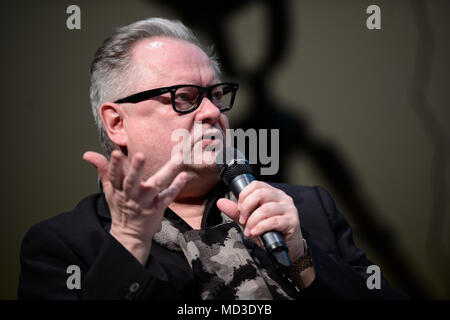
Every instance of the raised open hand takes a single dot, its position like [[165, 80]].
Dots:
[[137, 206]]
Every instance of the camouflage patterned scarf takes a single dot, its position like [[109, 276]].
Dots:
[[221, 262]]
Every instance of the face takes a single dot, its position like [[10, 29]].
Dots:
[[147, 126]]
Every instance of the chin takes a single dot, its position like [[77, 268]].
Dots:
[[208, 163]]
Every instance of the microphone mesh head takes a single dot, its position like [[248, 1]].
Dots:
[[232, 163]]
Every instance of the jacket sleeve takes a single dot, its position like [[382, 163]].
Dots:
[[113, 274], [343, 273]]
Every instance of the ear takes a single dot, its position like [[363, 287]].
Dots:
[[112, 118]]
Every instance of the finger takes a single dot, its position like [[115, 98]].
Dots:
[[251, 188], [162, 179], [279, 223], [265, 211], [99, 162], [167, 196], [132, 181], [229, 207], [255, 199], [116, 173]]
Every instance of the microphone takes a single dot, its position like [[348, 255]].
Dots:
[[236, 173]]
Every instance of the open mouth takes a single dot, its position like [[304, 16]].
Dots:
[[210, 136], [208, 140]]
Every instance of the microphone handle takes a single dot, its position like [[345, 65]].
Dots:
[[272, 240]]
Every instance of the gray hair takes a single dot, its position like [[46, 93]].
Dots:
[[111, 68]]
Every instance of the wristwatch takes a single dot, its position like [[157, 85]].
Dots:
[[302, 263]]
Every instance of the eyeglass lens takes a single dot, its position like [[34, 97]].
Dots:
[[187, 97]]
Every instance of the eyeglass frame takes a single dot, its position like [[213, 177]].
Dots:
[[148, 94]]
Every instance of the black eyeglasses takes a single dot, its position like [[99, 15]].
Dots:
[[187, 97]]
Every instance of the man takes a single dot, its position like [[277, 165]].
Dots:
[[167, 229]]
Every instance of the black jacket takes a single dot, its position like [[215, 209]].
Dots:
[[108, 271]]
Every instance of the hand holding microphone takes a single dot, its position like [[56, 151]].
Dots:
[[263, 210]]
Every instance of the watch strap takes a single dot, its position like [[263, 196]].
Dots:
[[302, 263]]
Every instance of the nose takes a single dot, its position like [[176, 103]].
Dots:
[[207, 111]]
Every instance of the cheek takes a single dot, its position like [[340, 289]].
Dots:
[[154, 136], [223, 122], [141, 135], [150, 130]]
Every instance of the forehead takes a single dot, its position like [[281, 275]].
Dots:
[[166, 61]]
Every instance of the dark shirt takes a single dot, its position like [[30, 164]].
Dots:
[[108, 271]]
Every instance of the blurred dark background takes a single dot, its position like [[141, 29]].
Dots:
[[364, 113]]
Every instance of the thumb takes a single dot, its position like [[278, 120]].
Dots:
[[99, 162], [230, 208]]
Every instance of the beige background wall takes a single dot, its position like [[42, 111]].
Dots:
[[352, 85]]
